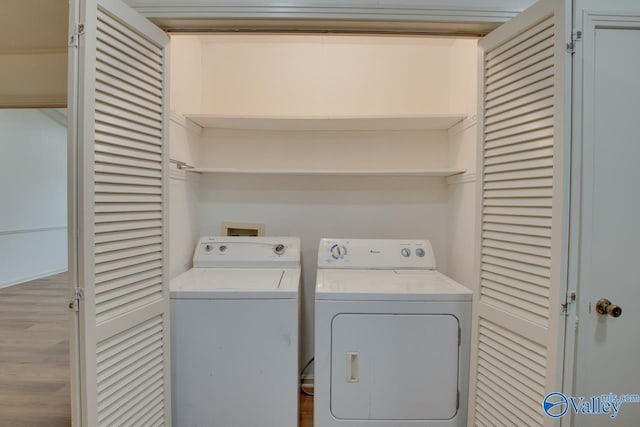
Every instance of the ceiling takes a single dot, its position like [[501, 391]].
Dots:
[[33, 26]]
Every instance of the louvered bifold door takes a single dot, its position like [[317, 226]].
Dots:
[[124, 366], [518, 324]]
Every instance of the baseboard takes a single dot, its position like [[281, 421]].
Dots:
[[33, 277], [32, 230]]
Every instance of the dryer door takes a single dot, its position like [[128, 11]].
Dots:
[[394, 367]]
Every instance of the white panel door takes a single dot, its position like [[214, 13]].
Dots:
[[119, 211], [518, 326], [607, 202]]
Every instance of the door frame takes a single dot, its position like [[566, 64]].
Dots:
[[73, 71], [586, 21]]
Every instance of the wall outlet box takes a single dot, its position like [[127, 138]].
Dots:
[[242, 229]]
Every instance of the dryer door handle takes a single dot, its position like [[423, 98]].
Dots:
[[353, 374]]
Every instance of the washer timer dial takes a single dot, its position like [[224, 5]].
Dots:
[[338, 251]]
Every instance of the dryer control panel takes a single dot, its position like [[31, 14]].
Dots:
[[247, 252], [376, 254]]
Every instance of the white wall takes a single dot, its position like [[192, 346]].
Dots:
[[33, 196], [184, 204], [312, 207], [462, 205], [183, 220], [462, 150]]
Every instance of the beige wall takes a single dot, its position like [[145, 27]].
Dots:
[[33, 80], [319, 75], [33, 53], [351, 150], [185, 74], [463, 60]]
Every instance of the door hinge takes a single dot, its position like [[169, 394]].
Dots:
[[459, 336], [458, 400], [74, 302], [576, 36], [571, 298], [75, 36]]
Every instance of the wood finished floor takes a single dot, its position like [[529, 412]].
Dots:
[[34, 356], [306, 411]]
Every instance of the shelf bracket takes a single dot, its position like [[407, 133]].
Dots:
[[181, 165]]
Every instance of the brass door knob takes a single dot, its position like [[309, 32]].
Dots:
[[604, 307]]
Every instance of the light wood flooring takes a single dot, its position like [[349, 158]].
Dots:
[[34, 356], [306, 411]]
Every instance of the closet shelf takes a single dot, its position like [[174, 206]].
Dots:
[[351, 172], [328, 123]]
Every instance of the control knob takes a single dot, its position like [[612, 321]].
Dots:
[[279, 249], [406, 252], [338, 251]]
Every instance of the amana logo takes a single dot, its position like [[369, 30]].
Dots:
[[555, 404]]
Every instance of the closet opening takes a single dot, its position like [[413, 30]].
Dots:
[[324, 135]]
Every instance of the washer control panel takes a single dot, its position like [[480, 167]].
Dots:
[[231, 251], [375, 254]]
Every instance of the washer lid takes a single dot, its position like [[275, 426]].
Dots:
[[235, 283], [388, 285]]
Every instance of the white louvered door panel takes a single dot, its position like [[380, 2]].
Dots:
[[518, 325], [122, 217]]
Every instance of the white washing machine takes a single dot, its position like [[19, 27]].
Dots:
[[234, 334], [391, 337]]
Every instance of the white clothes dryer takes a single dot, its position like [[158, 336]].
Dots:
[[234, 334], [391, 337]]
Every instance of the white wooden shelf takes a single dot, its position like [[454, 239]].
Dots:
[[352, 172], [327, 123]]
